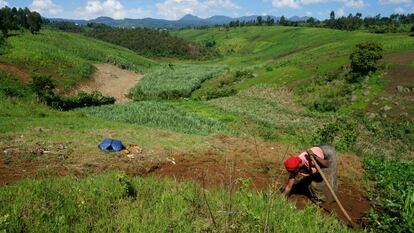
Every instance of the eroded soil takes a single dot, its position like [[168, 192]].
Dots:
[[110, 80], [17, 72]]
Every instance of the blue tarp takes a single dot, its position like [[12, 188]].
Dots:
[[111, 145]]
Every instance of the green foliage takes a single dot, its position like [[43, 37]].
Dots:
[[173, 82], [393, 195], [43, 86], [159, 115], [101, 203], [148, 42], [365, 57], [342, 133], [13, 19]]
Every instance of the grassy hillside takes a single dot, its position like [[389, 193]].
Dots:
[[283, 54], [67, 57]]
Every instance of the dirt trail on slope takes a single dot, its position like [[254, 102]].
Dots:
[[110, 80], [17, 72]]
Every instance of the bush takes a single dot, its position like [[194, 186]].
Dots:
[[43, 86], [342, 133], [365, 57], [220, 92]]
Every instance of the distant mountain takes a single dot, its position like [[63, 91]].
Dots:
[[190, 17], [186, 21]]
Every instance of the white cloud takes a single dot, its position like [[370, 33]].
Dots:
[[399, 10], [286, 4], [299, 3], [308, 13], [386, 2], [110, 8], [340, 12], [306, 2], [46, 7], [3, 3], [174, 9], [355, 3]]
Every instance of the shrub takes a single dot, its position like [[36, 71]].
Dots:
[[342, 133], [220, 92], [365, 57], [43, 86]]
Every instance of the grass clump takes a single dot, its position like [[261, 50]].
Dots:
[[159, 115], [173, 81], [393, 194], [104, 203]]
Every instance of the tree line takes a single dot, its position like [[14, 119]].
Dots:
[[18, 19], [377, 24], [145, 41]]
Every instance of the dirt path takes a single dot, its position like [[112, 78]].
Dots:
[[110, 80], [17, 72]]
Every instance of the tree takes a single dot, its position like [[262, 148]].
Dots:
[[6, 20], [259, 20], [365, 57], [34, 21], [412, 30], [311, 21], [283, 21], [270, 21], [332, 15]]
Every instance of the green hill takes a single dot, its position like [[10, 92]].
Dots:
[[291, 52], [67, 57]]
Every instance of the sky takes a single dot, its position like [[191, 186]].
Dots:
[[175, 9]]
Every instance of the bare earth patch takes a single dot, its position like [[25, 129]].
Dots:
[[17, 72], [397, 99], [110, 80]]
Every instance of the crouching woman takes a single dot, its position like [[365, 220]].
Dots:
[[310, 179]]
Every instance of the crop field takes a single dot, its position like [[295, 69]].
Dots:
[[173, 81], [67, 57], [158, 115]]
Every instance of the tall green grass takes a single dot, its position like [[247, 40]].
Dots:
[[158, 115], [67, 57], [275, 111], [173, 81], [117, 203]]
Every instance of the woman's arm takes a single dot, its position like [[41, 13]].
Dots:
[[322, 162], [289, 184]]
